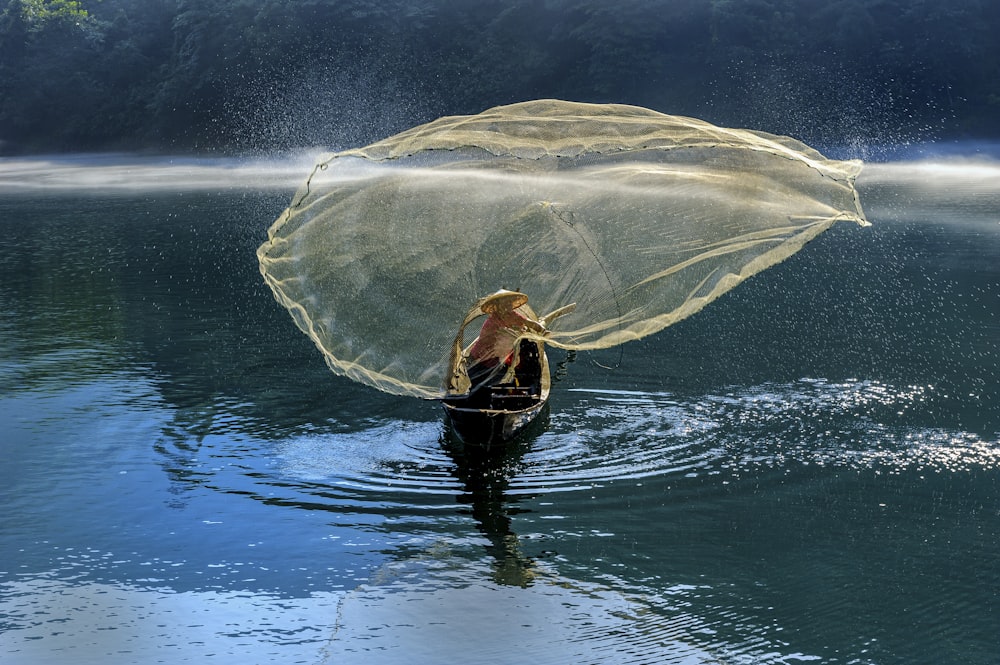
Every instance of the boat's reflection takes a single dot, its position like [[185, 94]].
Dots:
[[485, 473]]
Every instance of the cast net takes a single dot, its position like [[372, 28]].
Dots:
[[639, 218]]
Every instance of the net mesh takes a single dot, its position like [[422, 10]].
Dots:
[[639, 218]]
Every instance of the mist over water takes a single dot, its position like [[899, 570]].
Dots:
[[807, 470], [939, 169], [104, 173]]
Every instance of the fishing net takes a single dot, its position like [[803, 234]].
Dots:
[[639, 218]]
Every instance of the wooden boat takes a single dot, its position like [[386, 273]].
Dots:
[[504, 405], [492, 405]]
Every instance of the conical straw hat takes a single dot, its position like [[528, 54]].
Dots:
[[503, 299]]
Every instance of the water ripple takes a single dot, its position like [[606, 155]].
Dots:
[[620, 435], [600, 437]]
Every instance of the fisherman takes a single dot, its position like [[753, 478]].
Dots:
[[503, 326]]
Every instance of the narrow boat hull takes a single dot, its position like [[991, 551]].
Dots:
[[505, 411], [487, 427]]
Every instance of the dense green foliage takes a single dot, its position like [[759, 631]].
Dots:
[[273, 74]]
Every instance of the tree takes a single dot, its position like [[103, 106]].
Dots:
[[39, 12]]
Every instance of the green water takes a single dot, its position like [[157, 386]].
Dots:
[[807, 471]]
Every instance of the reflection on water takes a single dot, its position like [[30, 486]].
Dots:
[[401, 619], [121, 623], [808, 470]]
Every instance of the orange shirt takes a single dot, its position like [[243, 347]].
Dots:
[[496, 339]]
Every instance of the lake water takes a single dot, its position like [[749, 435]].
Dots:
[[806, 471]]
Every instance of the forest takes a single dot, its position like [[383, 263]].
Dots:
[[261, 76]]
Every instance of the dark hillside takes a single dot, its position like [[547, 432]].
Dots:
[[265, 75]]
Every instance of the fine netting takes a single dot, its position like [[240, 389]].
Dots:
[[639, 218]]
